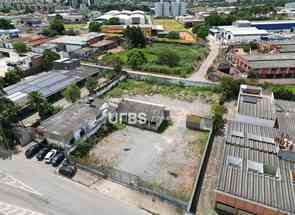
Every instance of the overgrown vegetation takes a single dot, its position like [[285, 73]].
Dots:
[[132, 87], [187, 54], [284, 92]]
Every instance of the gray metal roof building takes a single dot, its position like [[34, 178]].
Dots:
[[80, 119], [257, 108], [47, 83], [253, 147], [256, 168], [285, 106]]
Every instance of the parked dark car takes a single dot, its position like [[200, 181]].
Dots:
[[33, 150], [68, 169], [56, 161], [42, 153]]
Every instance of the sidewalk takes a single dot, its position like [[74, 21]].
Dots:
[[148, 203]]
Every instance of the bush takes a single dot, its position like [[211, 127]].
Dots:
[[94, 27], [173, 35], [20, 47], [136, 58], [230, 87], [281, 92], [168, 57]]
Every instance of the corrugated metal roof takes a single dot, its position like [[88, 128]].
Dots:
[[48, 83], [276, 192]]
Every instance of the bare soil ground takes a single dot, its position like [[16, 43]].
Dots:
[[169, 159], [187, 36]]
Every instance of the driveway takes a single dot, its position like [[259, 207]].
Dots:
[[34, 187], [200, 75]]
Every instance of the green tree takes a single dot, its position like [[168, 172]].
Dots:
[[168, 57], [117, 65], [12, 76], [72, 93], [20, 47], [113, 21], [136, 58], [91, 85], [40, 104], [36, 101], [6, 24], [230, 87], [135, 37], [217, 111], [8, 116], [94, 27], [57, 25], [203, 31], [47, 110], [47, 59]]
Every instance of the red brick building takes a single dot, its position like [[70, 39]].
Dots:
[[280, 65]]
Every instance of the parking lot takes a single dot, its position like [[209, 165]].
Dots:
[[169, 159], [50, 156]]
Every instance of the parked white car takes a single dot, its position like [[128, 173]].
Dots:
[[50, 155]]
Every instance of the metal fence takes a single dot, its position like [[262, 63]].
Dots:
[[135, 182]]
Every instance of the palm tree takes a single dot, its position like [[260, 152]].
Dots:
[[8, 137]]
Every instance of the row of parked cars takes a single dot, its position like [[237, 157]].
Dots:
[[43, 151]]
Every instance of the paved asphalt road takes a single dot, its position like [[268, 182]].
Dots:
[[34, 187]]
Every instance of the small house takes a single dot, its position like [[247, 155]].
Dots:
[[142, 114]]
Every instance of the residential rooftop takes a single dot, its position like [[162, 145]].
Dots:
[[77, 40], [63, 125]]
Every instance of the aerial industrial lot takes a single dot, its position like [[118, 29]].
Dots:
[[159, 108]]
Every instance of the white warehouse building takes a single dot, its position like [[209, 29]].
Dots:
[[232, 34], [126, 17], [239, 32]]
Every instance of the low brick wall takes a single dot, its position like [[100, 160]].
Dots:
[[245, 205], [143, 76]]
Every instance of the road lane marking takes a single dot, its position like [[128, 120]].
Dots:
[[8, 209], [13, 182]]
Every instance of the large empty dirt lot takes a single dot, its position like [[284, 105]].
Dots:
[[169, 159]]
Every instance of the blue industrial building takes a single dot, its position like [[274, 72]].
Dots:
[[276, 25], [12, 33]]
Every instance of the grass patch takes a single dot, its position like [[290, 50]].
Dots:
[[170, 24], [188, 55], [75, 27], [133, 87], [197, 146]]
